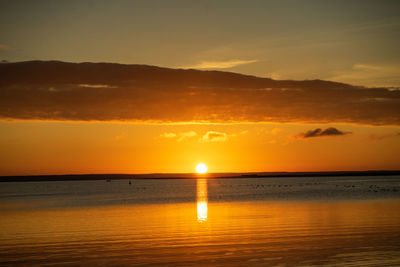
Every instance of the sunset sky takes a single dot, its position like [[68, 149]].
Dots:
[[58, 118]]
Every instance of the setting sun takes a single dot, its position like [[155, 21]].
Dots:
[[297, 113], [201, 168]]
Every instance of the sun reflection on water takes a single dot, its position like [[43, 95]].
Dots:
[[202, 200]]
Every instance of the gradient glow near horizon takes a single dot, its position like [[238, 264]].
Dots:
[[355, 42]]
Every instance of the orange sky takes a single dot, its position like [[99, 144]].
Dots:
[[320, 90], [32, 147], [63, 118]]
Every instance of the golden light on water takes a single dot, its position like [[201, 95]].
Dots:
[[201, 168], [202, 200]]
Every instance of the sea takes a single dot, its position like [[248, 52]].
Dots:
[[282, 221]]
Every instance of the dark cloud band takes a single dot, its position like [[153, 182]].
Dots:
[[105, 92], [320, 133]]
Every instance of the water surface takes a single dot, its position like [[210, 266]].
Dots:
[[225, 222]]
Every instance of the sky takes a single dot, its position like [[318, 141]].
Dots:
[[349, 41], [100, 125]]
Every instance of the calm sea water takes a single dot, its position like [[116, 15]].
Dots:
[[331, 221]]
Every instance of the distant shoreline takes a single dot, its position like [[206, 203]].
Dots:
[[83, 177]]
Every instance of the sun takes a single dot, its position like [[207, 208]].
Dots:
[[201, 168]]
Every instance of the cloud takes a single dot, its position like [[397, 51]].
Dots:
[[238, 134], [95, 86], [212, 136], [320, 133], [371, 74], [53, 91], [182, 136], [168, 135], [220, 64]]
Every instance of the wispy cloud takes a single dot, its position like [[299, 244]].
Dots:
[[182, 136], [168, 135], [209, 136], [370, 74], [179, 136], [320, 133], [220, 64], [96, 86], [238, 134], [213, 136]]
